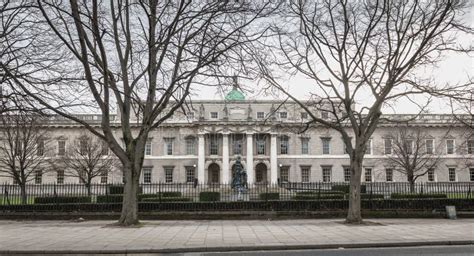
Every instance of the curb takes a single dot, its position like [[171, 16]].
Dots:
[[243, 248]]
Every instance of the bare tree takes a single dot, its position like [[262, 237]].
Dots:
[[414, 153], [142, 56], [86, 159], [361, 56], [23, 149]]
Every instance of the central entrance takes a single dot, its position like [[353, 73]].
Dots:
[[213, 175]]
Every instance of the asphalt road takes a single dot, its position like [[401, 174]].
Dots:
[[467, 250]]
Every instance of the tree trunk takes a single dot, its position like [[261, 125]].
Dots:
[[354, 211], [24, 199], [88, 186], [412, 184], [129, 215]]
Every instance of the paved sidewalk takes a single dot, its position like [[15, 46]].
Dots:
[[187, 236]]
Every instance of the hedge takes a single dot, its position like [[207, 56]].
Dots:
[[318, 197], [269, 196], [325, 192], [171, 194], [209, 196], [371, 196], [118, 190], [62, 199], [345, 188], [416, 196], [166, 199], [119, 198]]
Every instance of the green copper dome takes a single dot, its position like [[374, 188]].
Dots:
[[235, 94]]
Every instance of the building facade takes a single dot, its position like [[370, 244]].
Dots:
[[205, 142]]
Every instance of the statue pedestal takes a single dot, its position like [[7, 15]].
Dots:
[[239, 196]]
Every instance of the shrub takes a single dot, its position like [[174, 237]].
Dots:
[[316, 197], [166, 199], [119, 198], [417, 196], [62, 199], [170, 194], [324, 192], [118, 189], [269, 196], [209, 196], [345, 188], [371, 196]]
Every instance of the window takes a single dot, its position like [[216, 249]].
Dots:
[[450, 146], [431, 175], [61, 147], [190, 115], [214, 115], [408, 146], [213, 145], [470, 146], [190, 173], [148, 148], [305, 172], [190, 146], [368, 147], [284, 173], [452, 174], [83, 147], [105, 149], [324, 115], [389, 174], [260, 115], [237, 144], [347, 174], [104, 176], [326, 145], [60, 177], [40, 147], [169, 174], [471, 174], [283, 115], [284, 145], [169, 146], [368, 174], [304, 115], [38, 176], [387, 146], [146, 174], [260, 143], [304, 146], [326, 173], [429, 145]]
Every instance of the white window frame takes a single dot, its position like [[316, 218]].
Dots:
[[410, 147], [169, 170], [385, 146], [59, 153], [260, 142], [454, 146], [325, 176], [168, 146], [324, 115], [188, 170], [147, 171], [369, 147], [346, 170], [432, 146], [328, 140], [148, 148], [467, 146], [304, 146], [471, 173], [287, 145], [190, 145], [391, 174], [213, 112], [371, 174], [304, 116], [287, 175], [305, 173], [257, 115], [40, 146], [434, 175], [280, 114], [60, 177]]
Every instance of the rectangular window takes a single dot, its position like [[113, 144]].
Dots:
[[260, 115], [304, 115], [326, 145], [146, 174], [169, 174], [452, 174], [40, 148], [38, 176], [190, 174], [83, 147], [305, 172], [450, 147], [284, 145], [190, 115], [347, 174], [148, 148], [190, 146], [368, 147], [326, 173], [284, 173], [387, 146], [429, 145], [389, 174], [169, 146], [60, 177], [61, 147], [237, 144], [104, 177], [368, 175], [304, 146], [260, 143], [213, 145], [431, 175], [283, 115], [324, 115], [408, 146], [470, 147], [214, 115], [471, 174]]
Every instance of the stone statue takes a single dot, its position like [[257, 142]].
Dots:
[[249, 113], [226, 113], [239, 181], [201, 112]]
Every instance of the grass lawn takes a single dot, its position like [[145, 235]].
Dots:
[[15, 200], [461, 195]]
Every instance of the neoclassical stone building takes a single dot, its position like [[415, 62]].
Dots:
[[205, 142]]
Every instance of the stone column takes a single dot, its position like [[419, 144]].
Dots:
[[273, 159], [249, 159], [201, 158], [225, 158]]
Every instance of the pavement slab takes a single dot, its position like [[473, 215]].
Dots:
[[199, 236]]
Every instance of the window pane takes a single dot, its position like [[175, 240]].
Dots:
[[389, 174], [470, 146], [60, 177], [368, 174], [305, 173], [260, 143], [388, 146], [284, 171], [449, 146], [190, 146], [429, 146], [452, 174], [148, 148], [304, 146], [61, 148], [347, 174], [431, 175], [38, 176], [284, 145], [169, 146], [471, 174], [326, 145], [260, 115], [169, 174], [190, 174], [146, 174], [327, 174]]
